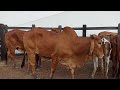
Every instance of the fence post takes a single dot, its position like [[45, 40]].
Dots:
[[5, 55], [84, 30], [119, 28], [33, 26], [3, 30], [6, 28], [60, 27]]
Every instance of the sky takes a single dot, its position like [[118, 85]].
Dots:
[[13, 18], [64, 18]]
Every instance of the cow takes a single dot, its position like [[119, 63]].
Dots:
[[74, 52], [106, 33], [107, 52], [113, 38], [42, 42], [115, 56], [14, 40], [105, 36]]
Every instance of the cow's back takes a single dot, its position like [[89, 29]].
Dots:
[[106, 33]]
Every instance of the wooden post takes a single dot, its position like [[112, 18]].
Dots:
[[119, 29], [84, 30]]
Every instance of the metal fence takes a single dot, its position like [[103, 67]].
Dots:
[[4, 29]]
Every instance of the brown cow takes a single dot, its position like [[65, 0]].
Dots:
[[42, 42], [107, 52], [105, 36], [48, 44], [14, 40], [74, 52], [106, 33], [115, 55]]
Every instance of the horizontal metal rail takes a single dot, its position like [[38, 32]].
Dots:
[[75, 28]]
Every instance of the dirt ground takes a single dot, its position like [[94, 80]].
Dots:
[[8, 72]]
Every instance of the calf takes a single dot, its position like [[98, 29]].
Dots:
[[107, 52]]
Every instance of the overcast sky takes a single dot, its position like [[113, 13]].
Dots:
[[13, 18], [55, 18]]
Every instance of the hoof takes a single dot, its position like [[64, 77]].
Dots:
[[106, 77], [35, 77], [16, 67], [92, 77]]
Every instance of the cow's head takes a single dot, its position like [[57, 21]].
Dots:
[[96, 46]]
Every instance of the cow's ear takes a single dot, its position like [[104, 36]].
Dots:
[[93, 36]]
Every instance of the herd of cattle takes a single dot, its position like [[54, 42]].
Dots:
[[65, 47]]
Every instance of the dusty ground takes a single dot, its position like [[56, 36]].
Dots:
[[8, 72]]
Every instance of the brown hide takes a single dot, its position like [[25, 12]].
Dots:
[[74, 52], [14, 40], [42, 42], [106, 33], [115, 55]]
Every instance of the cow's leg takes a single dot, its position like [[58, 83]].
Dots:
[[28, 68], [102, 66], [11, 54], [117, 71], [23, 62], [107, 66], [6, 59], [114, 75], [72, 70], [95, 61], [113, 67], [53, 67], [32, 63], [38, 61]]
